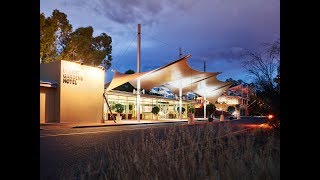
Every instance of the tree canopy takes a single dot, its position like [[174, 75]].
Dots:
[[238, 82], [59, 42], [264, 66]]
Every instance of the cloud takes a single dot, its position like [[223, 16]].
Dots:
[[228, 54], [132, 11], [215, 31], [129, 11]]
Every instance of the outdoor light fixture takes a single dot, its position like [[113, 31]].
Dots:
[[101, 67], [79, 61], [270, 116]]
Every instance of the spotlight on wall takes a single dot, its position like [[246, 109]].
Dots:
[[79, 61], [101, 67]]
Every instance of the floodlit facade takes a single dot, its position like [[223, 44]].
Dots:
[[237, 95], [71, 92], [168, 107], [177, 76]]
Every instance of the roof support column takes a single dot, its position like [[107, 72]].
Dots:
[[205, 106], [180, 100], [138, 100], [138, 71]]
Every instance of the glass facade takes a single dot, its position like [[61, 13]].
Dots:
[[168, 107]]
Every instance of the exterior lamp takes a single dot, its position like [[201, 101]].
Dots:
[[101, 67], [270, 116], [79, 61]]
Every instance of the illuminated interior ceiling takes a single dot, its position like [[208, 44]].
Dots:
[[175, 75]]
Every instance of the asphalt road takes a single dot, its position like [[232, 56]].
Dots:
[[65, 148]]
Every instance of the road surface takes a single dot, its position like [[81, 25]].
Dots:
[[68, 147]]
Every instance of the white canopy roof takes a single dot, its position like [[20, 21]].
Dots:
[[173, 76]]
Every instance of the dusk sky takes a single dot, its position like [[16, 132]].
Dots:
[[214, 31]]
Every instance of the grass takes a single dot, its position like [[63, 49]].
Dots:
[[185, 152]]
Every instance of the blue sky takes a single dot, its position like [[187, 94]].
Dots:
[[214, 31]]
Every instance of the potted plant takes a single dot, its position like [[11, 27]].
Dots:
[[155, 111], [119, 108], [182, 110], [191, 112], [210, 110]]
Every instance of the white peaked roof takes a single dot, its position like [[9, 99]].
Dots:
[[120, 78], [173, 76]]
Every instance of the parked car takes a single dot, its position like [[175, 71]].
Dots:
[[230, 117]]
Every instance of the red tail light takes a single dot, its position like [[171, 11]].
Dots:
[[270, 116]]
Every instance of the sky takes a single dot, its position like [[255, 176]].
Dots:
[[212, 31]]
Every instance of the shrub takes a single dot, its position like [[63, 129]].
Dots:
[[211, 108], [155, 110], [119, 108], [191, 110], [231, 109]]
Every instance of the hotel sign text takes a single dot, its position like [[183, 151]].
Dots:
[[71, 76]]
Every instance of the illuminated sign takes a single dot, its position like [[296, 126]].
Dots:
[[71, 76]]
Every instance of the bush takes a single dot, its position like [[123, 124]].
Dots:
[[155, 110]]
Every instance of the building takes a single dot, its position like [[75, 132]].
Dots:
[[168, 106], [235, 96], [71, 92]]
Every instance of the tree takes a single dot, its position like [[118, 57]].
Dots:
[[54, 32], [277, 80], [257, 107], [62, 29], [236, 82], [126, 86], [263, 65], [57, 42], [82, 46], [47, 39]]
